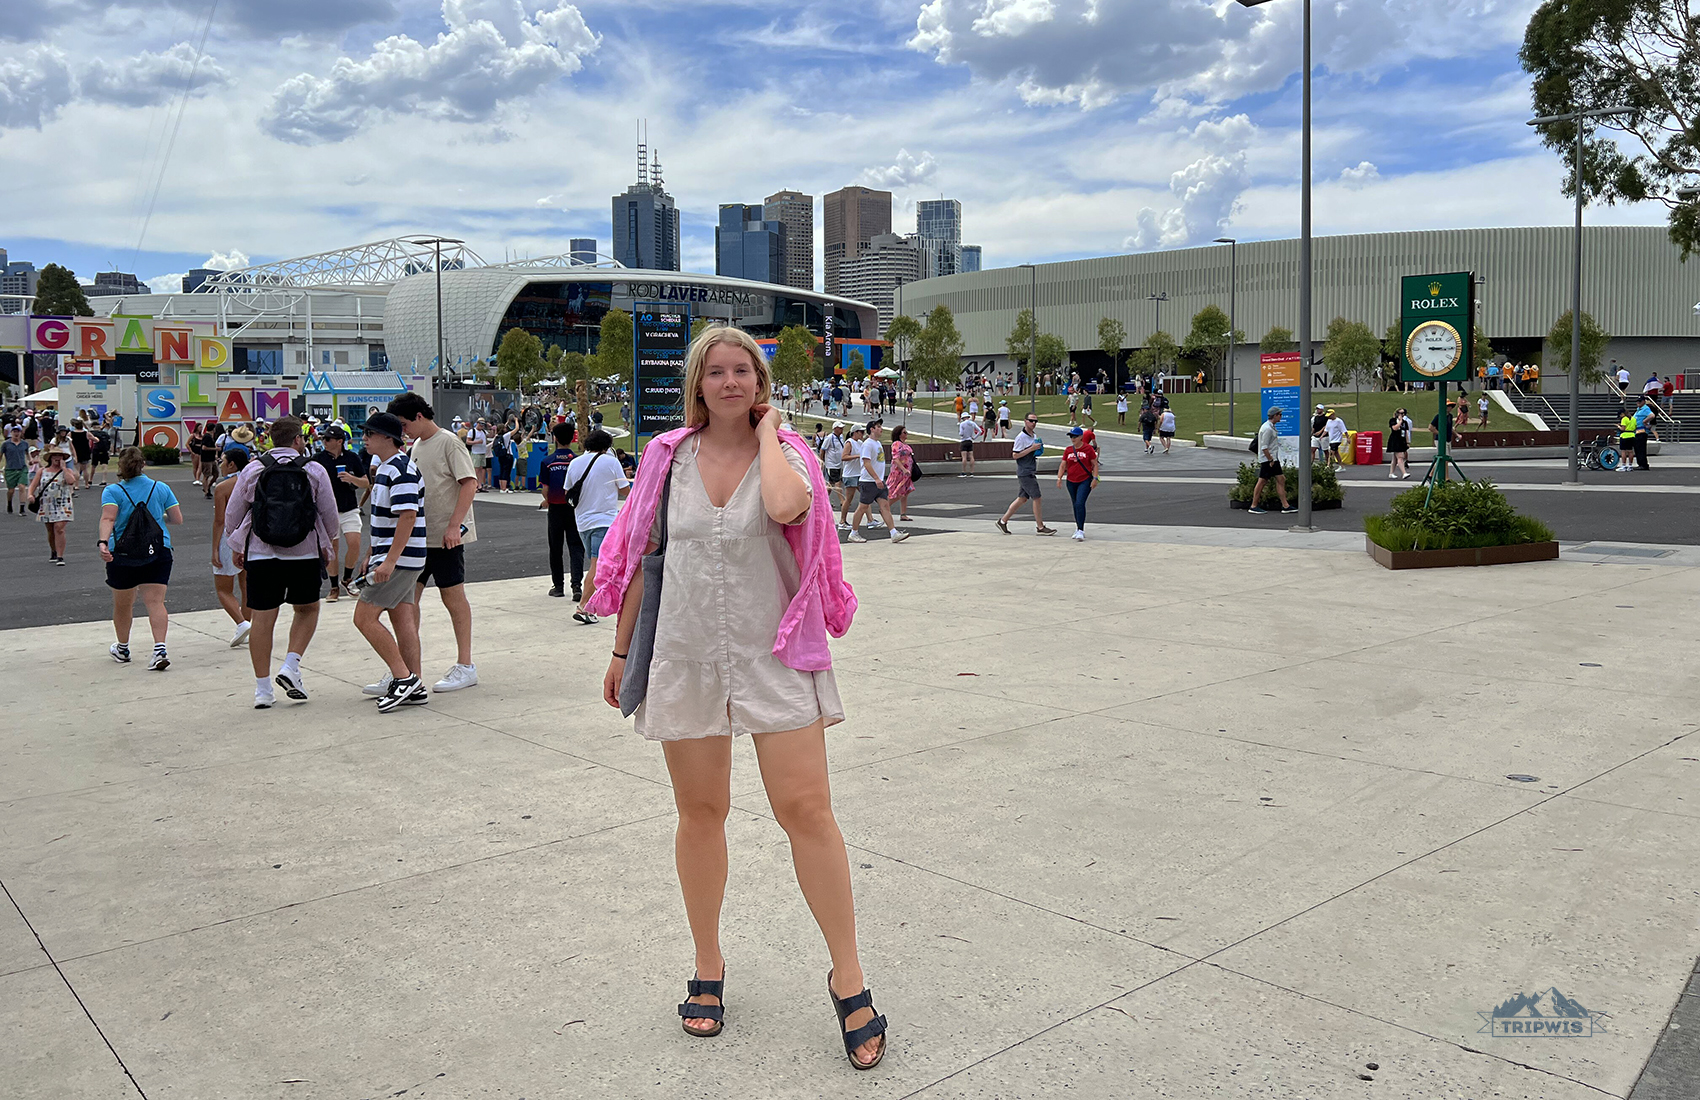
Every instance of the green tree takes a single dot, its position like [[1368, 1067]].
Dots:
[[698, 326], [1158, 352], [858, 363], [794, 359], [614, 345], [902, 333], [58, 294], [1639, 54], [938, 351], [1481, 348], [1019, 343], [1112, 335], [519, 360], [1207, 343], [1594, 341], [1053, 352], [1277, 340], [571, 367], [1352, 352]]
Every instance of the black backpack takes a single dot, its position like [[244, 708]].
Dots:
[[284, 510], [142, 539]]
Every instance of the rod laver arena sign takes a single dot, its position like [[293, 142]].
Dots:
[[1437, 318]]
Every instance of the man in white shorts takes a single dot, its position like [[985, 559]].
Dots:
[[852, 466], [967, 432], [478, 443]]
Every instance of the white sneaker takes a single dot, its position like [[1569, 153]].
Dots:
[[857, 536], [898, 536], [380, 688], [241, 634], [120, 653], [1079, 536], [264, 697], [460, 676], [292, 684], [159, 662]]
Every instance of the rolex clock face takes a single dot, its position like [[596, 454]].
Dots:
[[1434, 348]]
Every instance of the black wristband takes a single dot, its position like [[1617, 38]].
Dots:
[[621, 656]]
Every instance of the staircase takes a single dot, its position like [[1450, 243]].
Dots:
[[1598, 412]]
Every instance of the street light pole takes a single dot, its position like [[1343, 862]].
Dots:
[[1304, 523], [1579, 118], [1233, 295], [1033, 339], [437, 244], [1157, 324]]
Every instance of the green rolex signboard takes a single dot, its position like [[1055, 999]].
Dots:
[[1437, 318]]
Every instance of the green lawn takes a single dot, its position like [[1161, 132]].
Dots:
[[1201, 414]]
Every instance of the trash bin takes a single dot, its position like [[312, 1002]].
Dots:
[[1366, 450]]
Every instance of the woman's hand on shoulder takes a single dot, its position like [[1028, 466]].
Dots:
[[766, 416]]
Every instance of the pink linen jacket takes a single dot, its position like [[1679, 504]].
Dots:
[[825, 603]]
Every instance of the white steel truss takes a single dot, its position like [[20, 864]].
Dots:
[[379, 263]]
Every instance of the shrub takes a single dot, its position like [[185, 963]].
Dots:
[[1324, 486], [157, 455], [1460, 515]]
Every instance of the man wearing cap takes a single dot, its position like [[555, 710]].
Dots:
[[968, 432], [852, 460], [872, 486], [832, 460], [1318, 431], [552, 478], [398, 556], [1335, 429], [1269, 464], [347, 471]]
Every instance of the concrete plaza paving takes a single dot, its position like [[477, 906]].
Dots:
[[1127, 819]]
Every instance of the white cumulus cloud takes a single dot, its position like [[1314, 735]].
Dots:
[[1207, 191], [35, 87], [1356, 179], [172, 283], [1091, 52], [493, 51], [906, 170]]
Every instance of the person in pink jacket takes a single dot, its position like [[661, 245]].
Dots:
[[752, 587]]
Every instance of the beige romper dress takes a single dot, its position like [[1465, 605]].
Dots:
[[728, 578]]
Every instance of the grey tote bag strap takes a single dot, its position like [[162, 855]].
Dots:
[[634, 684]]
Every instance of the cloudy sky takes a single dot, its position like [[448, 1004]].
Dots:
[[141, 135]]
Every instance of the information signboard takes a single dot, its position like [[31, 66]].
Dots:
[[1281, 391], [661, 335]]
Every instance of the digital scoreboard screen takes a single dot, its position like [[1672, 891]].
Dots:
[[660, 339]]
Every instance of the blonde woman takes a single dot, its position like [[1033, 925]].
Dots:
[[752, 587]]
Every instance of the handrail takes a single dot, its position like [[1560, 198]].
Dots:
[[1544, 400]]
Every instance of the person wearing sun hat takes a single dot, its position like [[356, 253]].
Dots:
[[1335, 428], [242, 434], [55, 485]]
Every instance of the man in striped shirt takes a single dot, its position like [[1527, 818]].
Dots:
[[398, 554]]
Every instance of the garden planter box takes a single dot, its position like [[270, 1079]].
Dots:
[[1441, 559], [1315, 505]]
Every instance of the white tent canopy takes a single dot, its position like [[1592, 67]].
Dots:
[[887, 372], [43, 397]]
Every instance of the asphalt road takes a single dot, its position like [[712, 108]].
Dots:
[[1188, 488]]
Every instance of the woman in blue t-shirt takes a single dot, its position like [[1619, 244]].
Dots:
[[142, 561]]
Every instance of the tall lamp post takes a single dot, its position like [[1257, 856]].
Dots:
[[1304, 276], [1033, 339], [1579, 118], [437, 244], [1233, 323]]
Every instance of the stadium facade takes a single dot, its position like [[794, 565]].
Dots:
[[1634, 284]]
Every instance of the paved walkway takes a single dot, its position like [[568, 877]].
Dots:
[[1126, 819]]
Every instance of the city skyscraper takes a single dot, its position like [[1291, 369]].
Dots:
[[851, 217], [110, 284], [747, 246], [646, 222], [873, 276], [939, 223], [195, 276], [582, 250], [970, 258], [796, 211]]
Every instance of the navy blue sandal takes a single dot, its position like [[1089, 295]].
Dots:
[[688, 1011], [854, 1039]]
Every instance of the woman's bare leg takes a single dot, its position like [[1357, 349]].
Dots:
[[793, 770], [226, 589], [701, 769]]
